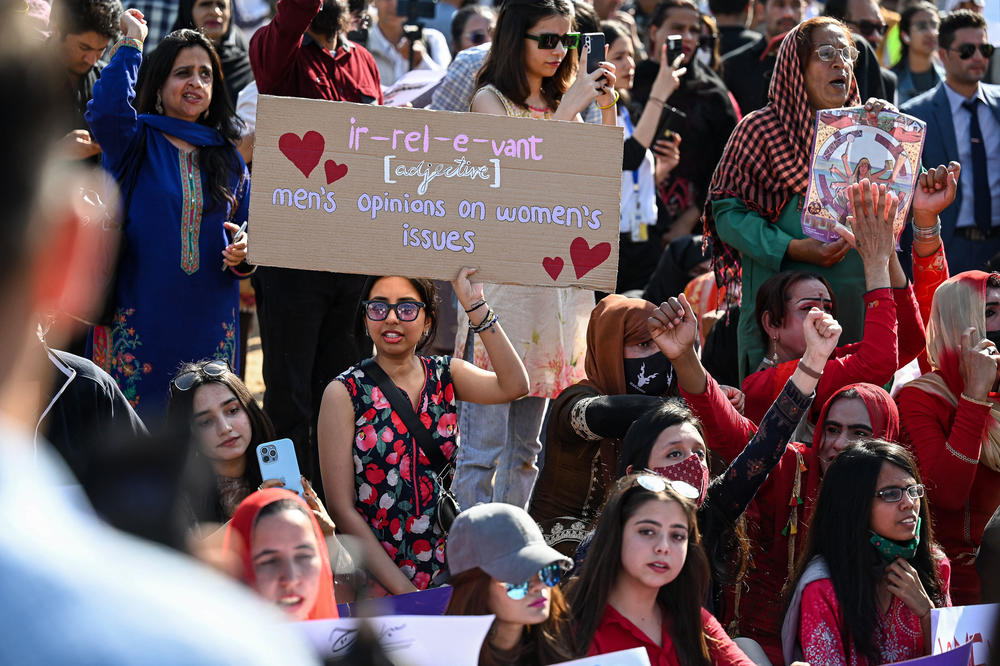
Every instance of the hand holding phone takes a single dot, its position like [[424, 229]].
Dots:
[[594, 41], [672, 124], [277, 461], [675, 48]]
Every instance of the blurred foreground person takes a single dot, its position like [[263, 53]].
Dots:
[[93, 594]]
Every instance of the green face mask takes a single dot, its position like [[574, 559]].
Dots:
[[889, 550]]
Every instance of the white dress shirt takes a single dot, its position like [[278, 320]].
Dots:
[[991, 136]]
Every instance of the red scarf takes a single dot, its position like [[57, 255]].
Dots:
[[239, 532]]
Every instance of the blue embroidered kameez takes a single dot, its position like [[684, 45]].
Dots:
[[172, 301]]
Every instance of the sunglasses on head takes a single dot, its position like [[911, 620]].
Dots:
[[924, 26], [655, 483], [549, 40], [549, 574], [828, 52], [405, 310], [186, 380], [895, 493], [870, 27], [966, 51]]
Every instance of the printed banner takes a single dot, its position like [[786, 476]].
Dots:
[[409, 640], [959, 656], [966, 624], [849, 146], [633, 657], [355, 188]]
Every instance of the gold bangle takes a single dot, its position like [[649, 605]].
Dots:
[[977, 402], [605, 108]]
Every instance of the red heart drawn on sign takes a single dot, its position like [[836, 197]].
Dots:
[[586, 258], [334, 171], [553, 266], [304, 153]]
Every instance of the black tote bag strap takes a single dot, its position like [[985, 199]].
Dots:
[[404, 408]]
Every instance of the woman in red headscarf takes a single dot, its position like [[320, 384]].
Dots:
[[784, 502], [951, 420], [626, 376], [284, 555]]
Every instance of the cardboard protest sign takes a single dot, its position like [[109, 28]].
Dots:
[[966, 624], [409, 640], [958, 656], [633, 657], [355, 188], [849, 146]]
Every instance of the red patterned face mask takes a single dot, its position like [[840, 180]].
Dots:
[[692, 471]]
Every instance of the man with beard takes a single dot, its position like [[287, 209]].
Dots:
[[306, 317]]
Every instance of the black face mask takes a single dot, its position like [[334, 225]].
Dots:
[[651, 375], [994, 337]]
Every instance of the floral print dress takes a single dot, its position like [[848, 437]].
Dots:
[[397, 492]]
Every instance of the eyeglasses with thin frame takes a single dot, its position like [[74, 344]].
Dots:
[[925, 26], [186, 380], [549, 40], [895, 493], [550, 574], [828, 52], [966, 51], [405, 310], [870, 27]]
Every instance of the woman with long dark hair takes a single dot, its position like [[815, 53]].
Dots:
[[216, 20], [645, 579], [870, 573], [531, 71], [917, 71], [489, 545], [186, 191]]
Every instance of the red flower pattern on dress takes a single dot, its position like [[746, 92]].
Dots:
[[397, 495]]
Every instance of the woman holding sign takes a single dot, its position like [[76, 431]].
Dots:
[[755, 215], [530, 72], [388, 427], [186, 192]]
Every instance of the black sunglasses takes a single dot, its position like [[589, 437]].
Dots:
[[405, 310], [478, 37], [186, 380], [549, 40], [869, 27], [965, 51]]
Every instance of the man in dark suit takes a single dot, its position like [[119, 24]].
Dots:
[[963, 124]]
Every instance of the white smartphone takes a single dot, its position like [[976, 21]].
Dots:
[[277, 461]]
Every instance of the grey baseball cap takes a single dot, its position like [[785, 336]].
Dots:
[[502, 540]]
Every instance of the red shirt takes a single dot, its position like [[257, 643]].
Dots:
[[874, 359], [616, 632], [768, 517], [287, 62], [962, 494]]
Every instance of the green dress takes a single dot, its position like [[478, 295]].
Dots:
[[762, 246]]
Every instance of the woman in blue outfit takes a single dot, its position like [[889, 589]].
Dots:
[[185, 192]]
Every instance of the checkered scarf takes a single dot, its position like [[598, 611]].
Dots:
[[766, 160]]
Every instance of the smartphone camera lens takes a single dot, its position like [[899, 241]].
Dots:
[[265, 458]]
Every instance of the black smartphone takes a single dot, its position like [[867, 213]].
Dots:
[[674, 48], [594, 41], [672, 122]]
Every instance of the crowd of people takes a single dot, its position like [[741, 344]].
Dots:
[[763, 448]]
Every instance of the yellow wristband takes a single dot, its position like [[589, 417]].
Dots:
[[605, 108]]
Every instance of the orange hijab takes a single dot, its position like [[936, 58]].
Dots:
[[240, 530], [615, 322]]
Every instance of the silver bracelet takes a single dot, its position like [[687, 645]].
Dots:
[[925, 233]]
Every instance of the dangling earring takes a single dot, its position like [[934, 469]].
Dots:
[[204, 116], [771, 359], [159, 104]]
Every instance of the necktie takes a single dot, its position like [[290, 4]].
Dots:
[[980, 179]]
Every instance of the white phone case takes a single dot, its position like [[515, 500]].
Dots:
[[277, 461]]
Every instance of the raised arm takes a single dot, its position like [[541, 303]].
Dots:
[[751, 468], [112, 118], [509, 381], [273, 47], [335, 434]]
